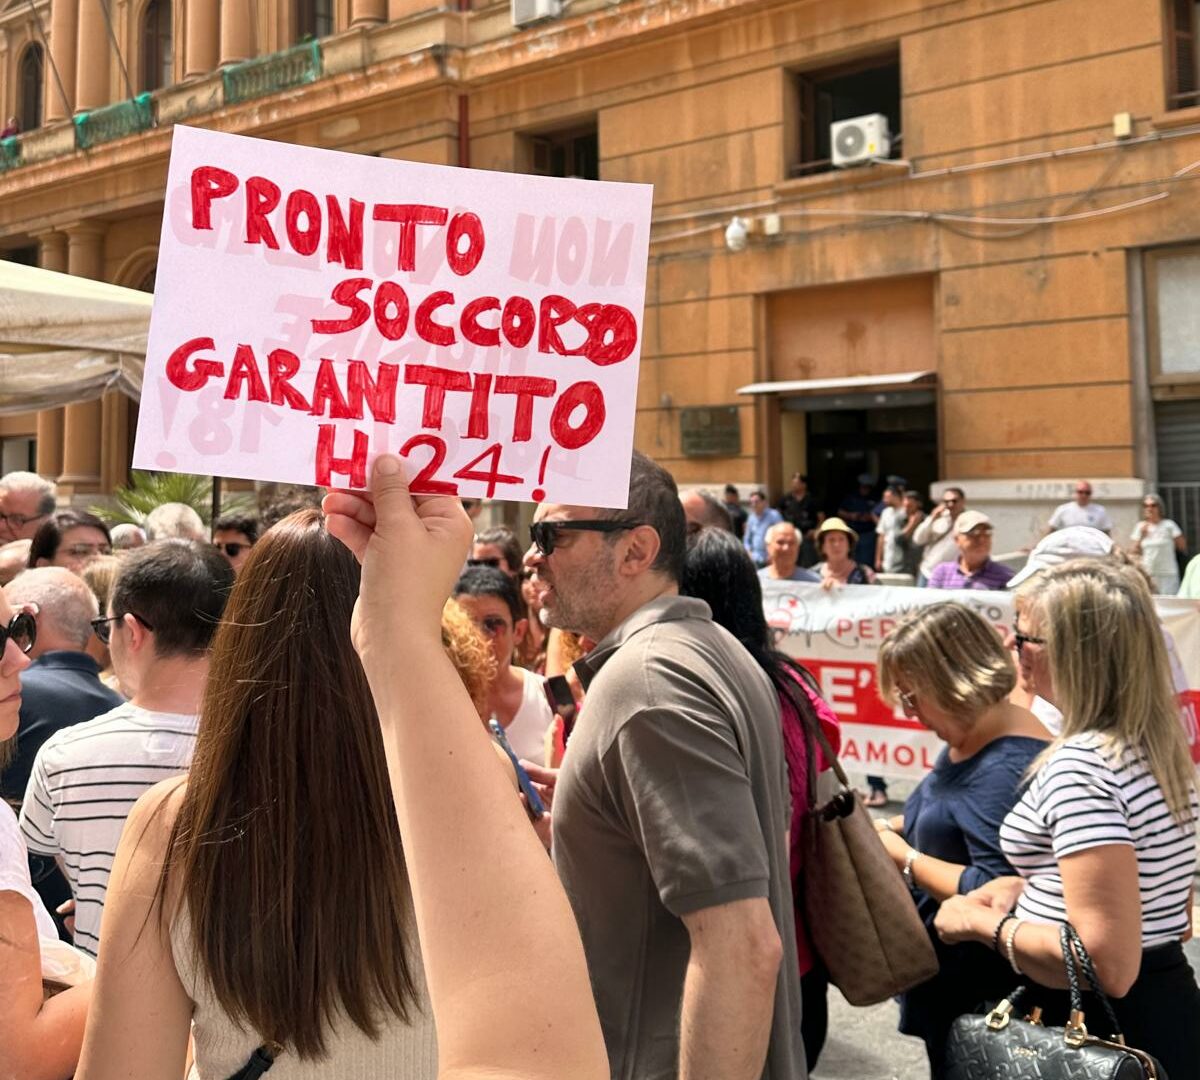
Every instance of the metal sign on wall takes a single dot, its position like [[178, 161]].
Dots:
[[712, 431]]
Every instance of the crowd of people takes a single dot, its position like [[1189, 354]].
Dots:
[[890, 533], [256, 819]]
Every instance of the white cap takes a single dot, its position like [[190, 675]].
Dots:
[[1074, 542]]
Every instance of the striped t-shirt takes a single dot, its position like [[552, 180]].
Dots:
[[85, 781], [1088, 795]]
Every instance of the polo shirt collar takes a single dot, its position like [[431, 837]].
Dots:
[[663, 609], [66, 659]]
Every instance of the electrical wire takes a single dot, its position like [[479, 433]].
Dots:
[[951, 218], [116, 47]]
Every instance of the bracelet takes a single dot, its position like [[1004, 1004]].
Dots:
[[999, 929], [1010, 945], [909, 859]]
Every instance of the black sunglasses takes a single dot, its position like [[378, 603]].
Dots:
[[104, 631], [232, 550], [1021, 640], [21, 630], [545, 534]]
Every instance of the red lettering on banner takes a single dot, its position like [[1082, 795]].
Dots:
[[526, 387], [327, 396], [591, 398], [483, 336], [200, 372], [283, 366], [389, 295], [305, 240], [245, 370], [355, 466], [426, 328], [477, 419], [612, 333], [464, 227], [346, 293], [408, 217], [517, 321], [379, 393], [262, 196], [556, 310], [345, 242], [208, 183], [436, 382]]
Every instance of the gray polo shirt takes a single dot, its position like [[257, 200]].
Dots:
[[673, 798]]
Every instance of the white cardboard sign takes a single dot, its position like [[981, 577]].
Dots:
[[313, 309]]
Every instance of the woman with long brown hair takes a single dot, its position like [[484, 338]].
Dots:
[[264, 901]]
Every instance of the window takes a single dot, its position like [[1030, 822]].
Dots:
[[314, 19], [18, 454], [1172, 281], [841, 93], [26, 256], [29, 96], [573, 151], [158, 62], [1183, 53]]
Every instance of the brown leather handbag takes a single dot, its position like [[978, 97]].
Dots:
[[858, 911]]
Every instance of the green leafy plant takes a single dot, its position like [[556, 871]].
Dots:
[[147, 490]]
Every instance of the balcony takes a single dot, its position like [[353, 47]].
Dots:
[[114, 121], [264, 75], [10, 153]]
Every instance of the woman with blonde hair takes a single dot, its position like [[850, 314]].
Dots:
[[1104, 836], [947, 667]]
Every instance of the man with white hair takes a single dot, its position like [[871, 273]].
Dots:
[[62, 686], [126, 536], [26, 500], [175, 521], [783, 553]]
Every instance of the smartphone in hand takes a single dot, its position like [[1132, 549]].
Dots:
[[536, 807]]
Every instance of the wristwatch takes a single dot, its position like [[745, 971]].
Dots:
[[909, 859]]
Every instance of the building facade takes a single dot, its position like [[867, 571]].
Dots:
[[1007, 296]]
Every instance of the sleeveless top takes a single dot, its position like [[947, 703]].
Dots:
[[402, 1051]]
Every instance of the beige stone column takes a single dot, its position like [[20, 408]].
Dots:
[[52, 255], [367, 12], [91, 65], [64, 25], [83, 422], [203, 37], [114, 445], [236, 35]]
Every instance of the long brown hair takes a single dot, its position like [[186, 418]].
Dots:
[[286, 850]]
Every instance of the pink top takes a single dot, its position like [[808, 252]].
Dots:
[[796, 753]]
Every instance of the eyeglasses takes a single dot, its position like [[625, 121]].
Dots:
[[545, 534], [493, 625], [21, 630], [81, 551], [493, 562], [232, 550], [1021, 640], [19, 521], [1083, 491], [104, 631]]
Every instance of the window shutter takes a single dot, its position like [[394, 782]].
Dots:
[[1183, 54]]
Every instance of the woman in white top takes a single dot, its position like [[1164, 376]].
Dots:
[[268, 902], [1104, 836], [1156, 538], [39, 1040]]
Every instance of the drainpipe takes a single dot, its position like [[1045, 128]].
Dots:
[[464, 111]]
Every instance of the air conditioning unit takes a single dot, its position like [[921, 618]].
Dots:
[[525, 12], [858, 141]]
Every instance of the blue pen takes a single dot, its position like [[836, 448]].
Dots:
[[536, 807]]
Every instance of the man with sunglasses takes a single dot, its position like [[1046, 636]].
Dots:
[[1080, 511], [671, 807], [936, 533], [166, 601], [516, 698], [26, 500], [233, 536]]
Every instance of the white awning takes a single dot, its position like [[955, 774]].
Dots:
[[914, 379], [65, 339]]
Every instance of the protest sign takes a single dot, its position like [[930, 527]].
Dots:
[[313, 309], [836, 634]]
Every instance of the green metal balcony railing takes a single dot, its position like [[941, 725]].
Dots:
[[114, 121], [264, 75], [10, 153]]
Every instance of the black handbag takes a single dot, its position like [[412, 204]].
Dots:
[[1002, 1045], [260, 1062]]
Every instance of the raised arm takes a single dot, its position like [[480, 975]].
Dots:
[[488, 905]]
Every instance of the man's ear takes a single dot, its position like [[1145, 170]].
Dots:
[[139, 636], [641, 549], [520, 629]]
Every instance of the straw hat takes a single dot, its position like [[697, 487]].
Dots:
[[836, 524]]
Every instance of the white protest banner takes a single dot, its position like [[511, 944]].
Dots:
[[313, 309], [836, 634]]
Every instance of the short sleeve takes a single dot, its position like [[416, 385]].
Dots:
[[1172, 530], [681, 786], [1081, 802], [37, 811], [1137, 531], [14, 871], [1055, 521], [1105, 523]]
